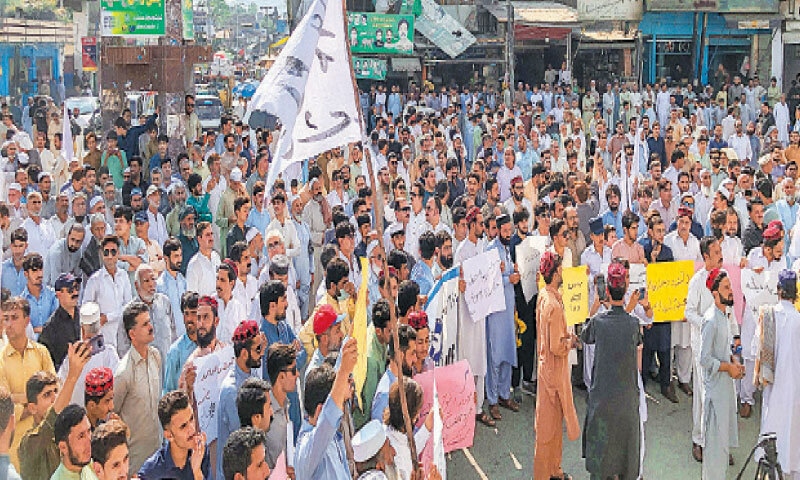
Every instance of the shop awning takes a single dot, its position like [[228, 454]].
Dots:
[[406, 64], [540, 14], [604, 36]]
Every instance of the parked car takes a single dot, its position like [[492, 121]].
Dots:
[[89, 118]]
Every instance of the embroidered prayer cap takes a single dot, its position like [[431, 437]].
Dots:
[[246, 330], [503, 219], [418, 320], [99, 381], [776, 223], [772, 233], [233, 265], [548, 263], [516, 180], [209, 301], [714, 277], [473, 214], [616, 275]]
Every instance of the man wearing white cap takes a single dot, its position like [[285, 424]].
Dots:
[[102, 355], [226, 215], [372, 452], [16, 210], [40, 236]]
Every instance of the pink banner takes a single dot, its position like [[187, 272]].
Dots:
[[456, 388]]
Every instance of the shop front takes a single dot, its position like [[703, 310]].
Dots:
[[684, 46], [25, 68]]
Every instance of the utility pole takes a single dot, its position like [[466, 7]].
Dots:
[[510, 45]]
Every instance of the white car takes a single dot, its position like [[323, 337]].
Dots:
[[89, 107], [209, 110]]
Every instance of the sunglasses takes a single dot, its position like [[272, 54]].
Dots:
[[35, 268], [405, 209], [688, 204], [109, 252], [292, 370], [190, 105], [273, 244]]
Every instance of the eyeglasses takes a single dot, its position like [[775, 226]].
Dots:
[[404, 209], [565, 234], [688, 204], [109, 252], [190, 105], [273, 245], [377, 257]]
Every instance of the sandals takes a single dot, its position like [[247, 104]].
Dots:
[[485, 419]]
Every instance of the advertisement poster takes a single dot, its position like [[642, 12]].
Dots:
[[120, 18], [89, 54], [379, 33], [187, 8], [369, 68]]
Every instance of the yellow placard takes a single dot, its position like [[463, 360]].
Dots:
[[575, 292], [360, 331], [667, 288]]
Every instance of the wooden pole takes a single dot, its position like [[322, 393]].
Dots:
[[378, 206]]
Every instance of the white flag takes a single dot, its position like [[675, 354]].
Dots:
[[310, 89], [67, 147]]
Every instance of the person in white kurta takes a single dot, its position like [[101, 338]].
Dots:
[[472, 331], [698, 301], [761, 288], [782, 120], [781, 400]]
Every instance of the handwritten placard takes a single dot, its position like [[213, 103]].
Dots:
[[637, 275], [528, 254], [759, 288], [575, 293], [211, 370], [442, 310], [456, 389], [484, 292], [667, 288]]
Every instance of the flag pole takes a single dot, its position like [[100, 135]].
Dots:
[[378, 205]]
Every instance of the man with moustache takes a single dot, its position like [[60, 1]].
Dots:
[[182, 348], [62, 328], [137, 385], [517, 199], [73, 438], [172, 283], [405, 358], [110, 455], [501, 346], [248, 349], [65, 255]]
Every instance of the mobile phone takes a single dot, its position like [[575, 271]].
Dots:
[[600, 284], [642, 291], [97, 344]]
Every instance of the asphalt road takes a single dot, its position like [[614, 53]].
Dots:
[[506, 452]]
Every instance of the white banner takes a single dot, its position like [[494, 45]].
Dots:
[[211, 370], [310, 89], [442, 310], [484, 292]]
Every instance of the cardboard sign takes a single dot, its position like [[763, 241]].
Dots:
[[575, 293], [528, 254], [456, 389], [360, 330], [484, 292], [667, 288], [211, 371]]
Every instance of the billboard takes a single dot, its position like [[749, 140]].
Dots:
[[369, 68], [187, 9], [380, 33], [89, 54], [124, 18]]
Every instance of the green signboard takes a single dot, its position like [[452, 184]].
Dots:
[[187, 9], [132, 18], [380, 33], [369, 68]]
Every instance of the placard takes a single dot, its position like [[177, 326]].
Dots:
[[667, 288], [456, 389], [442, 310], [484, 292], [211, 371], [575, 293], [360, 331], [528, 254]]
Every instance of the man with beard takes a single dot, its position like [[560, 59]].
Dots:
[[64, 256], [176, 193], [613, 216], [720, 369], [248, 349], [185, 345], [501, 328], [171, 282], [398, 360], [73, 437], [444, 261], [472, 334], [187, 236], [372, 452], [90, 259], [137, 385], [231, 310], [328, 335], [517, 199], [525, 313], [554, 402], [612, 436], [40, 236]]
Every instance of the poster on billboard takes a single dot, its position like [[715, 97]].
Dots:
[[444, 30], [89, 54], [379, 33], [187, 9], [120, 18], [369, 68]]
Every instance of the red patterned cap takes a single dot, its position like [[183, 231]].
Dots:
[[714, 277], [418, 320], [772, 233], [245, 331], [233, 265], [616, 275], [684, 212], [99, 381], [208, 301], [473, 214], [516, 180], [775, 223], [549, 263]]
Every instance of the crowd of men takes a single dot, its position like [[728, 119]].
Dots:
[[130, 257]]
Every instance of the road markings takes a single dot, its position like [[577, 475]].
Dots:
[[474, 464], [517, 465]]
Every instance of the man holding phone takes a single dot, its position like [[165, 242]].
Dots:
[[62, 328]]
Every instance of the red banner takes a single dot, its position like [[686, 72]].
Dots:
[[89, 54]]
